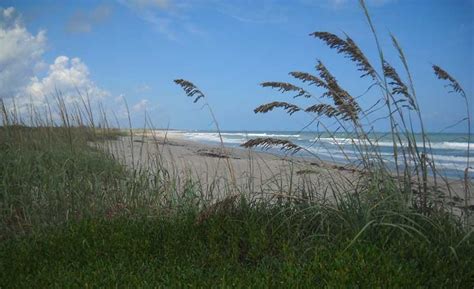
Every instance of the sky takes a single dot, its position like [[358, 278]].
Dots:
[[132, 50]]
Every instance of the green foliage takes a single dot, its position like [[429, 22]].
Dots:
[[73, 217], [250, 246], [51, 175]]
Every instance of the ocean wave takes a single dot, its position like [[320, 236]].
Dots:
[[211, 137], [443, 161], [434, 145], [336, 141], [439, 158], [234, 138], [451, 166], [263, 134], [327, 147]]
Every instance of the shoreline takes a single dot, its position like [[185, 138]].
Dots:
[[179, 135], [448, 153], [257, 173]]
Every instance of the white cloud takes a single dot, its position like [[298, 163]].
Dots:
[[70, 77], [25, 77], [20, 53]]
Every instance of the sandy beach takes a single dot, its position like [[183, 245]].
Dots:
[[219, 171], [230, 170]]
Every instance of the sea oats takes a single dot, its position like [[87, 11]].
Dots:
[[355, 54], [290, 108], [323, 109], [342, 99], [349, 48], [454, 84], [267, 143], [190, 89], [286, 87], [332, 40], [398, 86], [306, 77]]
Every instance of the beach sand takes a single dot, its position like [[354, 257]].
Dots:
[[217, 172]]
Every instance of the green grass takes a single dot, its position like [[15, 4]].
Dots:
[[247, 247], [51, 175], [73, 217]]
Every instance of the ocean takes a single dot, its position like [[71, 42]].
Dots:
[[449, 150]]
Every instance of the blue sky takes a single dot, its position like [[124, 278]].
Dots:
[[133, 49]]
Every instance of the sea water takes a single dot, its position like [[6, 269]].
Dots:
[[448, 150]]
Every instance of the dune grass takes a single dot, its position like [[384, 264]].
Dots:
[[50, 175], [70, 219], [73, 216], [250, 246]]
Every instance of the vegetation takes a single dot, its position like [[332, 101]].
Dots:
[[73, 216], [255, 246], [414, 162]]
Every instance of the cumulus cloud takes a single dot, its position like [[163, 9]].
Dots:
[[83, 22], [24, 75], [70, 77], [20, 53]]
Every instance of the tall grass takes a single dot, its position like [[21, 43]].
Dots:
[[413, 163], [60, 168], [70, 210], [192, 91]]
